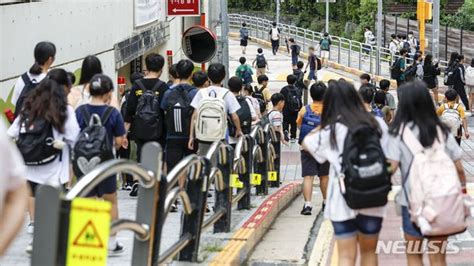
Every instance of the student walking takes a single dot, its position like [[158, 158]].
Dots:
[[293, 104], [275, 38], [200, 80], [262, 93], [309, 118], [44, 131], [211, 106], [417, 129], [13, 192], [470, 83], [346, 129], [365, 81], [398, 68], [246, 113], [295, 52], [394, 46], [325, 47], [459, 81], [299, 74], [380, 106], [44, 54], [244, 37], [145, 97], [176, 104], [430, 76], [248, 92], [244, 71], [314, 65], [384, 85], [260, 62], [453, 115], [101, 89]]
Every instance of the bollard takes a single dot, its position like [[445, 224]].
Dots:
[[244, 202]]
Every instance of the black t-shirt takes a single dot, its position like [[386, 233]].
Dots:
[[136, 92]]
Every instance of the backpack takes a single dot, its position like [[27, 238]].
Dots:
[[265, 120], [449, 74], [29, 86], [419, 72], [299, 79], [93, 145], [148, 120], [261, 62], [123, 107], [365, 180], [35, 142], [325, 44], [406, 45], [293, 99], [258, 94], [319, 63], [245, 33], [211, 122], [469, 76], [377, 111], [395, 69], [410, 73], [435, 201], [179, 111], [246, 76], [311, 120], [245, 117], [297, 49], [451, 118]]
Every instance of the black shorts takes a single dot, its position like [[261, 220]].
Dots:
[[108, 186], [310, 167], [33, 186], [244, 42], [176, 150]]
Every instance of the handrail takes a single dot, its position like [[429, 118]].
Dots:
[[142, 231], [352, 56], [185, 165], [272, 132], [87, 183]]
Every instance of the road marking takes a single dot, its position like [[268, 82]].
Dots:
[[322, 245]]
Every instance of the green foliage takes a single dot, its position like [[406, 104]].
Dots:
[[464, 18], [6, 104]]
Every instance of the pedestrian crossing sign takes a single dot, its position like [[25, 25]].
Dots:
[[89, 227], [235, 181], [256, 179], [272, 176]]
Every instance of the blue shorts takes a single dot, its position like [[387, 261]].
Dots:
[[294, 59], [409, 227], [312, 75], [366, 225]]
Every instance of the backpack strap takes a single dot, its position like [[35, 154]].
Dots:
[[106, 115], [308, 109], [26, 79], [85, 113], [140, 85], [157, 85], [411, 141]]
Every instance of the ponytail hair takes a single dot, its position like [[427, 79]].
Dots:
[[43, 51]]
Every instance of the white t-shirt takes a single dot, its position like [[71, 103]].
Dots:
[[255, 105], [318, 145], [276, 118], [20, 84], [231, 103], [13, 172], [369, 36], [56, 172], [393, 47]]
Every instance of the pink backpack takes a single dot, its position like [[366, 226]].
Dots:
[[436, 202]]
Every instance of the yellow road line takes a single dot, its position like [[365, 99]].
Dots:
[[322, 245]]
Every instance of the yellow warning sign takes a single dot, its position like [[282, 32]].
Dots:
[[89, 228], [235, 181], [256, 179], [272, 176]]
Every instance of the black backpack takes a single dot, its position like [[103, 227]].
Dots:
[[449, 74], [293, 99], [179, 111], [93, 145], [123, 108], [406, 45], [258, 94], [35, 142], [245, 117], [299, 79], [29, 86], [395, 69], [410, 73], [148, 120], [297, 49], [261, 62], [366, 181]]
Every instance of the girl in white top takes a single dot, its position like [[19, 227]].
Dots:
[[44, 54], [48, 101], [79, 94], [247, 92], [343, 109]]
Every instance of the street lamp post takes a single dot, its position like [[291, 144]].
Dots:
[[327, 16], [379, 35], [435, 35], [277, 11]]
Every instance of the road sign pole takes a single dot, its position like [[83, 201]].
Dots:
[[224, 37], [277, 11], [327, 16], [435, 35], [379, 35]]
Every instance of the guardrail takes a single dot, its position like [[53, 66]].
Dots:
[[365, 57], [254, 154]]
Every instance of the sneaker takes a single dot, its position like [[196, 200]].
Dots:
[[134, 191], [30, 229], [119, 249], [174, 208], [286, 135], [128, 187], [323, 207], [29, 248], [306, 210]]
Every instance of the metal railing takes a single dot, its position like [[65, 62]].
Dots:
[[365, 57], [189, 180]]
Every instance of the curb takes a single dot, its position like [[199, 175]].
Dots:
[[350, 70], [244, 240]]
